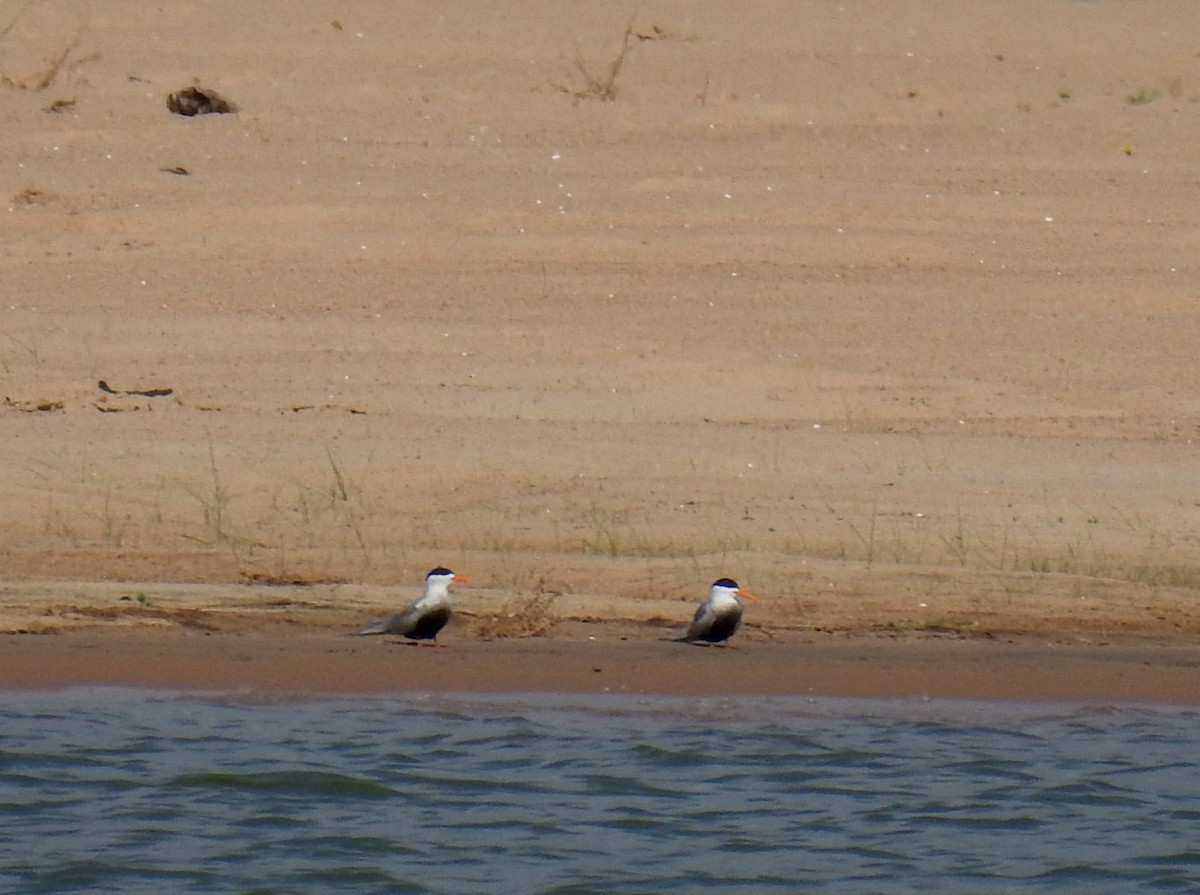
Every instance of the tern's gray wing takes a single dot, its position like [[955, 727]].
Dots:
[[713, 625], [404, 623], [701, 622], [401, 623]]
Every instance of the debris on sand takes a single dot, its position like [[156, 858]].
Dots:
[[198, 101], [145, 392]]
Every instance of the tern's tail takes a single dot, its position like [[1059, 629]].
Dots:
[[373, 628]]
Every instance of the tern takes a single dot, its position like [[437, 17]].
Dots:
[[427, 615], [718, 616]]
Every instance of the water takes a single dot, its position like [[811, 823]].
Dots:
[[109, 790]]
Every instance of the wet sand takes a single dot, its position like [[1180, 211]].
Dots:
[[291, 663]]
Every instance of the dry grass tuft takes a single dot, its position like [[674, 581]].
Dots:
[[49, 75], [602, 84], [523, 616]]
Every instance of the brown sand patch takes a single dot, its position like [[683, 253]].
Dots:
[[886, 311]]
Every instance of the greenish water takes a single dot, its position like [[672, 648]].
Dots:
[[111, 790]]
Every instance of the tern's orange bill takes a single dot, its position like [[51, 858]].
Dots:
[[460, 578], [746, 594]]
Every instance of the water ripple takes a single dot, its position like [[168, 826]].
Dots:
[[132, 792], [298, 783]]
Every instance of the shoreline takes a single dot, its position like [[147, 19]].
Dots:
[[299, 640], [616, 658]]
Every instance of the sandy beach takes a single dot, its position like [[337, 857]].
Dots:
[[885, 310]]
